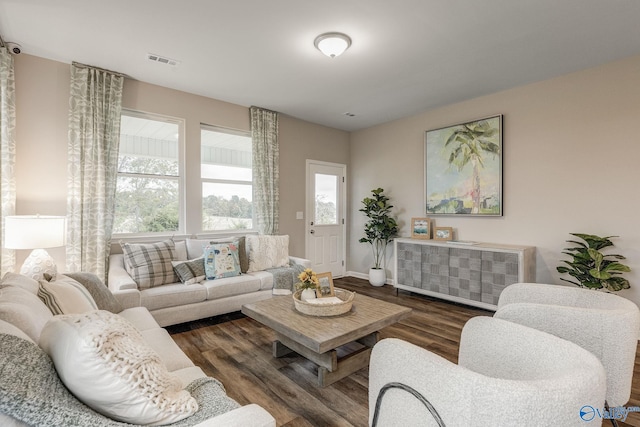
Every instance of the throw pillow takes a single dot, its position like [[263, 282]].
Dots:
[[20, 281], [24, 310], [267, 252], [190, 272], [149, 264], [101, 294], [221, 260], [66, 296], [242, 249], [195, 248], [104, 361]]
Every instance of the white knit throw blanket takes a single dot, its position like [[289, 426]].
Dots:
[[31, 391]]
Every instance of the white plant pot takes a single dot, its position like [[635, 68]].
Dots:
[[307, 294], [377, 276]]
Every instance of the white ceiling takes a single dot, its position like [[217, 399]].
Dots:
[[407, 56]]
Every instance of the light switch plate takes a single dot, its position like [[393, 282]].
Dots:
[[299, 215]]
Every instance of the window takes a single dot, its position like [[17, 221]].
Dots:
[[226, 179], [148, 183]]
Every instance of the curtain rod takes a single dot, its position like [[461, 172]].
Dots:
[[80, 65]]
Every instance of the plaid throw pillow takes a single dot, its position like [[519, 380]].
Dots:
[[150, 264]]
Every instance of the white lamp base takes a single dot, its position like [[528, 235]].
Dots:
[[37, 264]]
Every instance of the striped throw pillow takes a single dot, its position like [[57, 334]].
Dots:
[[66, 296], [149, 265], [190, 272]]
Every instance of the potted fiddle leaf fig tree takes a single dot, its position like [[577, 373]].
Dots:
[[591, 268], [378, 231]]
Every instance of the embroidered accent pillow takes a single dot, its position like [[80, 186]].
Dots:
[[242, 250], [221, 260], [190, 272], [104, 361], [267, 252], [66, 296], [149, 264]]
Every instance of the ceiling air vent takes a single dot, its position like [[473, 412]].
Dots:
[[162, 60]]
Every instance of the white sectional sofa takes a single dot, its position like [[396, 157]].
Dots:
[[177, 302], [23, 388]]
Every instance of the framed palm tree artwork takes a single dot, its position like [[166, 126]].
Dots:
[[463, 169]]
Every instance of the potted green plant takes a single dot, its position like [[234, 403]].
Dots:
[[591, 268], [379, 231]]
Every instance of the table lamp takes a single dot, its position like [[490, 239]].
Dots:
[[35, 232]]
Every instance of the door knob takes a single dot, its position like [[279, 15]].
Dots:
[[313, 232]]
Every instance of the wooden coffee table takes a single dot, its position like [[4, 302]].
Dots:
[[318, 338]]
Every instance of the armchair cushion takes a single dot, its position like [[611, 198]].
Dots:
[[605, 324], [507, 375]]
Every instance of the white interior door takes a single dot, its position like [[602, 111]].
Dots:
[[325, 217]]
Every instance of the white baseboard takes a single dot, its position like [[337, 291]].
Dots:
[[364, 276]]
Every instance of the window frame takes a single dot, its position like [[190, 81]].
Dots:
[[180, 178], [231, 131]]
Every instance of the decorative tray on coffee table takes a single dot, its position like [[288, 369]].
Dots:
[[332, 309]]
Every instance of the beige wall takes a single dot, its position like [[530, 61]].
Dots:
[[571, 164], [42, 92]]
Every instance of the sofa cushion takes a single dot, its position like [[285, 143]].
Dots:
[[267, 252], [20, 281], [173, 295], [180, 250], [191, 271], [24, 310], [195, 247], [106, 363], [231, 286], [150, 264], [101, 294], [140, 318], [221, 260], [170, 354], [66, 296]]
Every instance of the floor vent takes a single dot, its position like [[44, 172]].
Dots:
[[162, 60]]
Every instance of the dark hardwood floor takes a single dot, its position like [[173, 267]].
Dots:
[[237, 350]]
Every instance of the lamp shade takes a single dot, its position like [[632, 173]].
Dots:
[[34, 231]]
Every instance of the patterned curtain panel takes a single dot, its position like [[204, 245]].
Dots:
[[94, 136], [7, 151], [266, 171]]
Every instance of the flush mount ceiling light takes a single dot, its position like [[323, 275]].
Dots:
[[332, 44]]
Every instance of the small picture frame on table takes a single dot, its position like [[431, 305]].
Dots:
[[421, 228], [443, 233], [325, 287]]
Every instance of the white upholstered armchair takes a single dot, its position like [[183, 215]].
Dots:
[[605, 324], [507, 375]]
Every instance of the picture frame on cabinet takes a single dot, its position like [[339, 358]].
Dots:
[[443, 233], [421, 228]]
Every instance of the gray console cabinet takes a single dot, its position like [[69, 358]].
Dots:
[[469, 274]]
